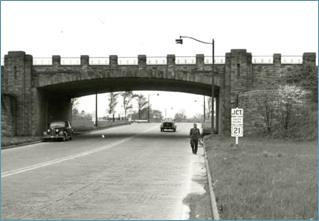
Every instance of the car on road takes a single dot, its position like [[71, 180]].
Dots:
[[168, 124], [58, 130]]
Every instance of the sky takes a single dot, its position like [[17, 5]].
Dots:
[[130, 28]]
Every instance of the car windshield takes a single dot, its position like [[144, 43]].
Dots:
[[168, 119], [57, 124]]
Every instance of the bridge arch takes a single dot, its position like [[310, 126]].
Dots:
[[57, 87]]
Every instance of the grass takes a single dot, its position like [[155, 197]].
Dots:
[[78, 126], [264, 179], [9, 141], [84, 125]]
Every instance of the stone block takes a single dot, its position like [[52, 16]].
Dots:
[[309, 59], [170, 60], [200, 62], [141, 61], [56, 61], [85, 60]]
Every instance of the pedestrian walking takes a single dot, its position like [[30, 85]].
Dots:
[[194, 135]]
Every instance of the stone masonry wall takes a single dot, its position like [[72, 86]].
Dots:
[[8, 115]]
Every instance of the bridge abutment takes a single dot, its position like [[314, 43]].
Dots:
[[238, 78], [17, 81]]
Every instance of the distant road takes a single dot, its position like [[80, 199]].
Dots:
[[135, 172]]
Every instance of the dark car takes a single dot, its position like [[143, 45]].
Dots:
[[58, 130], [168, 124]]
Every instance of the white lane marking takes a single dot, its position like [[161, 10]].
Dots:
[[48, 163]]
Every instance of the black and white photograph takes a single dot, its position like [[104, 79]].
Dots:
[[159, 110]]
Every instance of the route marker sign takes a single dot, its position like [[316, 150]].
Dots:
[[237, 123], [237, 130]]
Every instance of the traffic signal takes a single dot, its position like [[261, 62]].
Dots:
[[179, 41]]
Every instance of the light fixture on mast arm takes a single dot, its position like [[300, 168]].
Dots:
[[180, 41]]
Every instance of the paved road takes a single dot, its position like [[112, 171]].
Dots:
[[135, 172]]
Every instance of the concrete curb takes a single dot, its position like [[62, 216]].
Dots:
[[211, 192]]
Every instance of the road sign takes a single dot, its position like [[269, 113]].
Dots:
[[237, 123], [237, 130], [237, 120], [237, 112]]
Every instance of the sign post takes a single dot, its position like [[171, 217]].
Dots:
[[237, 123]]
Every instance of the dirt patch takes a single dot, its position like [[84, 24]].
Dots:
[[200, 205]]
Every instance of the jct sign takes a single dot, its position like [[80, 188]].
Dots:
[[237, 123], [237, 112]]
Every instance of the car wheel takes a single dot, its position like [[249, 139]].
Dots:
[[64, 138], [71, 138], [174, 130]]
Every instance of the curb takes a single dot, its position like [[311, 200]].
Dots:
[[211, 192]]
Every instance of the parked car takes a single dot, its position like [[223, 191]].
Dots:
[[168, 124], [58, 130]]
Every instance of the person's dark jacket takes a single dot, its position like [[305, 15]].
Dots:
[[194, 133]]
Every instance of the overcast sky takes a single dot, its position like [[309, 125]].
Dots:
[[100, 29]]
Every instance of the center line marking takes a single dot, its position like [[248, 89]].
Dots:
[[48, 163]]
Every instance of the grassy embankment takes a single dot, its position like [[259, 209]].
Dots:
[[84, 125], [78, 127], [264, 178]]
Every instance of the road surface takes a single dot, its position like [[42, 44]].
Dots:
[[134, 172]]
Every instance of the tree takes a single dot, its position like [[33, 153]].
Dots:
[[74, 106], [289, 96], [127, 98], [266, 107], [112, 102], [180, 116], [156, 115], [141, 103], [307, 79]]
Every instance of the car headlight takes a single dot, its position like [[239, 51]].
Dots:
[[48, 130], [45, 133], [57, 130]]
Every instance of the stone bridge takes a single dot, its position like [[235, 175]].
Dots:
[[34, 95]]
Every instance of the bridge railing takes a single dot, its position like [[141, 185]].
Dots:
[[127, 61], [42, 61], [256, 59], [285, 59], [218, 59], [156, 60], [99, 61], [260, 59], [291, 59]]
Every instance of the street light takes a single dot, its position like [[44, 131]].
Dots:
[[148, 114], [180, 41]]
